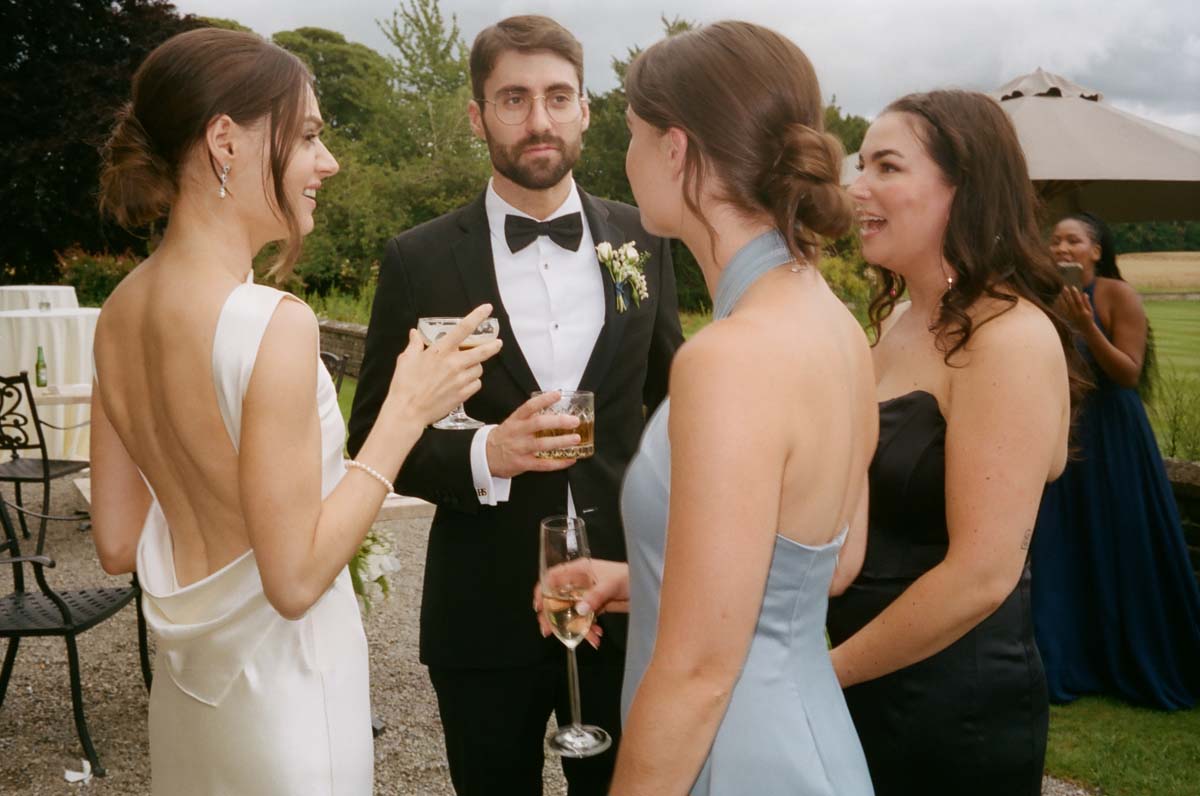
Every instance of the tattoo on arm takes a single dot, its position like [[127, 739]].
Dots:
[[1027, 539]]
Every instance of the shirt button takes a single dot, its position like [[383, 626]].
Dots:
[[556, 326], [546, 266]]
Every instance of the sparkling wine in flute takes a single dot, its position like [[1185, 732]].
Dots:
[[568, 624], [433, 329], [565, 571]]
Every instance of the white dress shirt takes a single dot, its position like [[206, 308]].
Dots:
[[555, 303]]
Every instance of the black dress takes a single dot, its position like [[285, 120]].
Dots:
[[971, 719]]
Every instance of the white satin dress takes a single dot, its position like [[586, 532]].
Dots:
[[245, 702]]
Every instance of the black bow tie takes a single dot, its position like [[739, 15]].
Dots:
[[566, 231]]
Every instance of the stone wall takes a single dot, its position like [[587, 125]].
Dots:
[[1185, 480], [345, 340]]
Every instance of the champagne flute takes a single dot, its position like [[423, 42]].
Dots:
[[566, 574], [433, 328]]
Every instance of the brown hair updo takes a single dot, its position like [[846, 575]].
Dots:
[[748, 101], [180, 87]]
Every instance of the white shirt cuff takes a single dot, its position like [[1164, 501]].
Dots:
[[490, 490]]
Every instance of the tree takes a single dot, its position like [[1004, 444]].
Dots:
[[66, 69], [352, 81], [225, 24], [431, 56], [431, 75], [601, 169], [1157, 236], [408, 155], [850, 129]]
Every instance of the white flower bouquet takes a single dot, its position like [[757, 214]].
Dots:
[[371, 567]]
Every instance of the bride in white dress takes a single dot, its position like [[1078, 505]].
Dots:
[[217, 468]]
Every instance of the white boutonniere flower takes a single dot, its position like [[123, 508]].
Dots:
[[626, 266]]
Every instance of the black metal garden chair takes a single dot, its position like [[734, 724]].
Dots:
[[21, 431], [336, 365], [50, 612]]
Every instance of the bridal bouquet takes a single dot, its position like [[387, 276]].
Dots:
[[370, 568]]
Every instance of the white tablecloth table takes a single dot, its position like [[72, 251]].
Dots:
[[62, 395], [30, 297], [65, 336]]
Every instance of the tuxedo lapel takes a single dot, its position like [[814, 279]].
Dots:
[[614, 322], [473, 255]]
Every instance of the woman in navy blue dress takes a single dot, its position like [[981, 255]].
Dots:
[[1116, 608]]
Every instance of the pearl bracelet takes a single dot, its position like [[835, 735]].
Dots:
[[371, 471]]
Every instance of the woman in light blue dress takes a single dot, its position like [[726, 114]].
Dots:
[[745, 503]]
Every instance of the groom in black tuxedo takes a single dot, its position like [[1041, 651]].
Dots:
[[527, 245]]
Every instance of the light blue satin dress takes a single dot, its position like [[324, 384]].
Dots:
[[787, 729]]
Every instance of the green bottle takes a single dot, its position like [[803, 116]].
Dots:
[[40, 370]]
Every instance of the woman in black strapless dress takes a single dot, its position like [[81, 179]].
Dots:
[[934, 639]]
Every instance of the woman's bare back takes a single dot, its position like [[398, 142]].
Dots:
[[822, 400], [154, 361]]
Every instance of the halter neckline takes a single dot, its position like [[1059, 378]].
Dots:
[[762, 254]]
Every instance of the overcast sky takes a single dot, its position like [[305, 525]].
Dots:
[[1144, 55]]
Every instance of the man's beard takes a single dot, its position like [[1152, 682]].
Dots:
[[538, 174]]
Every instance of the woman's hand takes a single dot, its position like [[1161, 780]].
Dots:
[[429, 382], [610, 594], [1078, 308]]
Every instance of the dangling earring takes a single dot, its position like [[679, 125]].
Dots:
[[224, 178], [949, 283]]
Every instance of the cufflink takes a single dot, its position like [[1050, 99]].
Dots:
[[481, 492]]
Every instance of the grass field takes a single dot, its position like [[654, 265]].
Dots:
[[346, 396], [1162, 272], [1176, 326], [1125, 751]]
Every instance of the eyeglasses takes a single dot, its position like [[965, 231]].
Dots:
[[514, 107]]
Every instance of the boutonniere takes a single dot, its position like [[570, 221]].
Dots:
[[626, 267]]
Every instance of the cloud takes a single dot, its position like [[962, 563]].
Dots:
[[1140, 55]]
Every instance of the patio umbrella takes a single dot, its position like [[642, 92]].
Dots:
[[1085, 154]]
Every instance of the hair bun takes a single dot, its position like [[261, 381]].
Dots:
[[802, 188], [136, 186]]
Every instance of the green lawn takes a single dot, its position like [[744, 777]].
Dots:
[[693, 322], [1176, 326], [1125, 751], [346, 396]]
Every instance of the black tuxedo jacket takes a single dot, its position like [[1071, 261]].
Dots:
[[482, 561]]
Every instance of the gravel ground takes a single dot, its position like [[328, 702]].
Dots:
[[37, 733]]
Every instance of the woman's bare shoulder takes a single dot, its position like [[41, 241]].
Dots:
[[1021, 339], [1000, 322], [1118, 293]]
